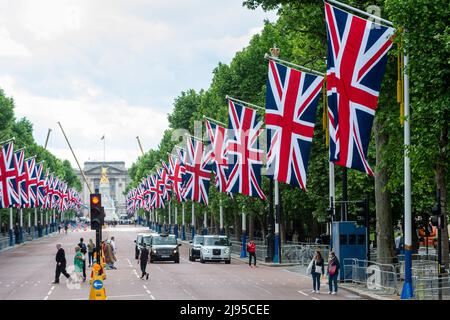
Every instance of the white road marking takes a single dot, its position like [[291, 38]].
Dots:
[[315, 298], [145, 287], [152, 297], [148, 291], [46, 297], [305, 294]]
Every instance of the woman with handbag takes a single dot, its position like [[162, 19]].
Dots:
[[333, 272], [316, 268]]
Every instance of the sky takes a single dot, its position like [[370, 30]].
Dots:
[[113, 67]]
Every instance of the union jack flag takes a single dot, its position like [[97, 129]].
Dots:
[[198, 173], [291, 104], [167, 178], [244, 153], [357, 56], [158, 192], [9, 195], [19, 160], [40, 184], [215, 154], [31, 182], [177, 176], [147, 194], [48, 187], [56, 193], [63, 196]]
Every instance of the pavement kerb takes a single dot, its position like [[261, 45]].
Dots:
[[363, 293], [53, 234]]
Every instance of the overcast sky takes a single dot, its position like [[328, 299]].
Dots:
[[113, 67]]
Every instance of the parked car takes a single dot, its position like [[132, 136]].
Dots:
[[140, 239], [164, 247], [215, 248], [195, 247]]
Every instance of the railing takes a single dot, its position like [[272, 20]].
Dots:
[[302, 253], [377, 277], [432, 288]]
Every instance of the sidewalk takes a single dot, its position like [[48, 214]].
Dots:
[[7, 248]]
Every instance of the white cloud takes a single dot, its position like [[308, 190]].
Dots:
[[85, 121], [11, 48], [122, 62]]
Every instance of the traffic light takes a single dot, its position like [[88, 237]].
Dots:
[[361, 207], [437, 218], [97, 212]]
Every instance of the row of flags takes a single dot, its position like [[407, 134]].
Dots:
[[23, 183], [357, 56]]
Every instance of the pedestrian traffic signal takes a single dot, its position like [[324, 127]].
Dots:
[[361, 212], [97, 212]]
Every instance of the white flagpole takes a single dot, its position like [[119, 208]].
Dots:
[[407, 291], [221, 218]]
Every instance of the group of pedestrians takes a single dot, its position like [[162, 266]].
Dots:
[[79, 260], [317, 270]]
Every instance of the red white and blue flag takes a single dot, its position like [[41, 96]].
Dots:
[[41, 195], [291, 104], [177, 176], [243, 151], [158, 192], [198, 172], [31, 182], [19, 162], [356, 60], [9, 195], [167, 178], [215, 154]]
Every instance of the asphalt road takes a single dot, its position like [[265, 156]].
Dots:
[[26, 272]]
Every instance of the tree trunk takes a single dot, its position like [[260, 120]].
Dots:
[[441, 173], [251, 226], [384, 227]]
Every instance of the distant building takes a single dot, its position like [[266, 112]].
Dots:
[[118, 181]]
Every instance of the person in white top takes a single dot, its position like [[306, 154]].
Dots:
[[113, 244]]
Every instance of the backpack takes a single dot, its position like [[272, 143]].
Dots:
[[83, 248]]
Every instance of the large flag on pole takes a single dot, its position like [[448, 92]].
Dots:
[[177, 177], [215, 154], [198, 172], [19, 162], [9, 195], [31, 182], [356, 60], [40, 184], [291, 104], [244, 153]]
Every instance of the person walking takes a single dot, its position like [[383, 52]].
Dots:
[[79, 262], [110, 258], [66, 227], [59, 228], [143, 260], [60, 264], [333, 272], [83, 250], [113, 244], [251, 249], [91, 248], [316, 268]]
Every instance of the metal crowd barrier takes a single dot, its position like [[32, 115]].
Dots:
[[373, 276], [427, 288]]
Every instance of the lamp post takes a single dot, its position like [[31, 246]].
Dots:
[[183, 224]]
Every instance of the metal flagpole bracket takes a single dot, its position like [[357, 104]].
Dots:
[[193, 137], [289, 64], [247, 104], [11, 139], [215, 121], [389, 23]]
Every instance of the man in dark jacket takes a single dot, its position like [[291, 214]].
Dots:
[[60, 264], [143, 260], [83, 250]]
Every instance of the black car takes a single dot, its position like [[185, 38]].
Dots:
[[195, 247], [164, 248], [140, 239]]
